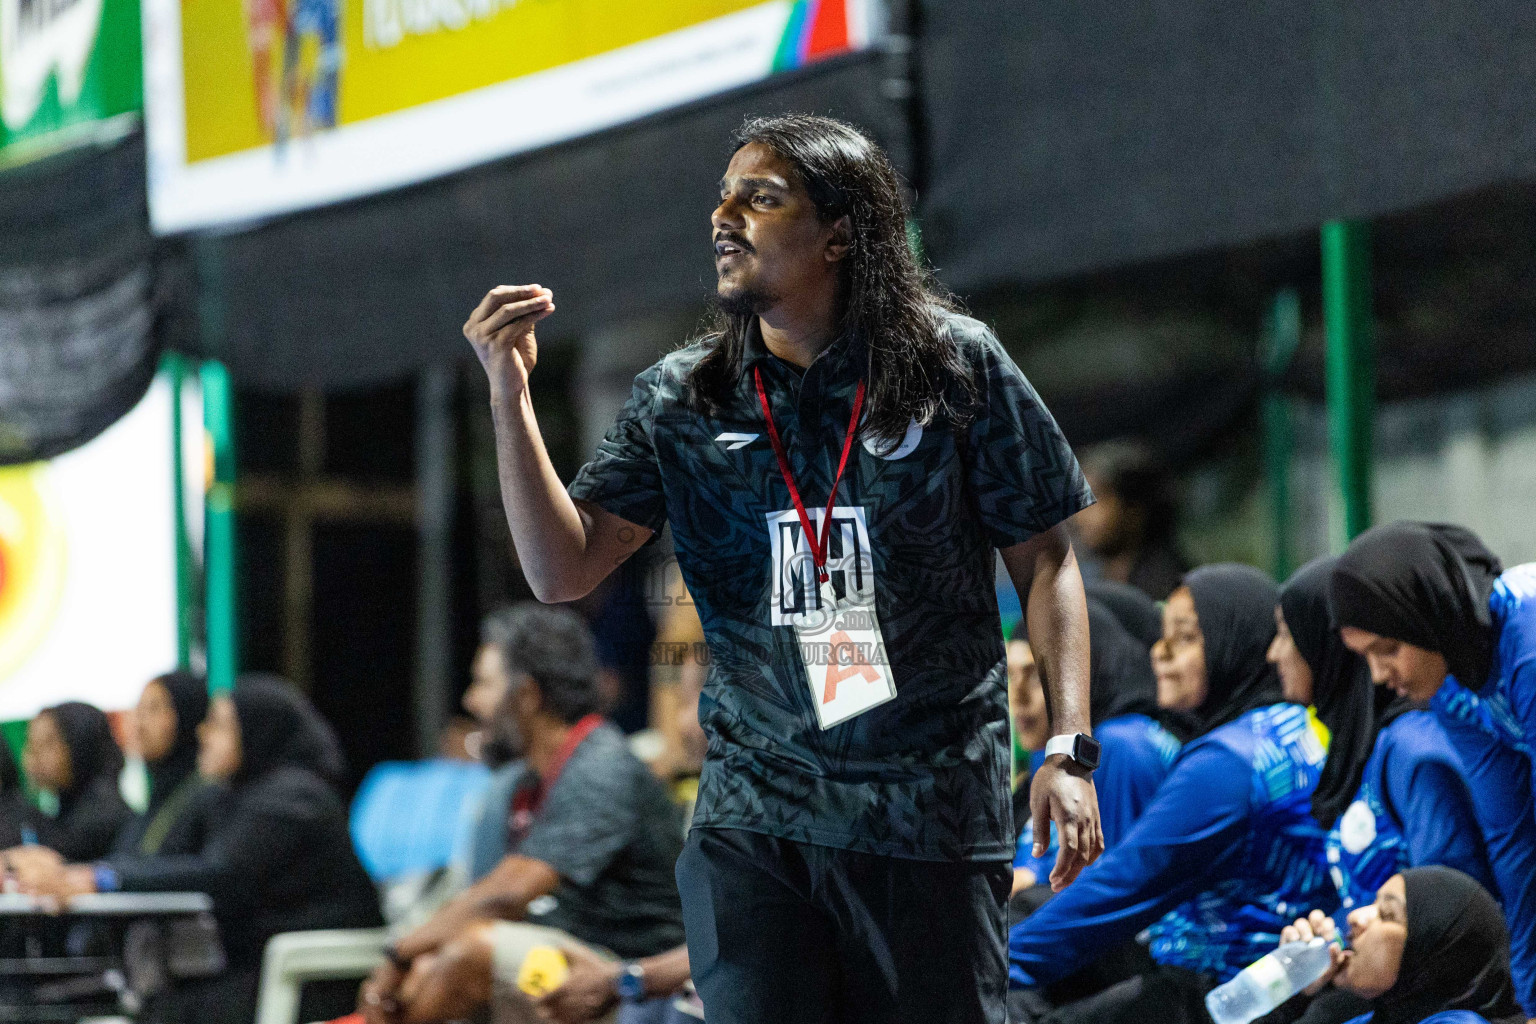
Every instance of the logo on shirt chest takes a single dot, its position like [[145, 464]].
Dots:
[[1357, 828], [796, 597], [733, 440], [883, 449]]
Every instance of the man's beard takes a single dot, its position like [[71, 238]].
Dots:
[[501, 741], [744, 300]]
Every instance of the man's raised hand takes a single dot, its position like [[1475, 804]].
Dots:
[[501, 331]]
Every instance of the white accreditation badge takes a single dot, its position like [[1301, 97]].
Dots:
[[836, 629]]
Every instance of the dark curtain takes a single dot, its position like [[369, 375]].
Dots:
[[78, 337], [1061, 138]]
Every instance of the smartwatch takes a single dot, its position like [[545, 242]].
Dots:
[[105, 878], [630, 984], [1080, 747]]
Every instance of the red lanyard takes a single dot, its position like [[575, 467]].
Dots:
[[529, 800], [818, 544]]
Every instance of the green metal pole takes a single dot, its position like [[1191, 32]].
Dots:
[[1282, 331], [915, 239], [1351, 364], [219, 536], [174, 368]]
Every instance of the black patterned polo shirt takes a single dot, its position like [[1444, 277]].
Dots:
[[923, 776]]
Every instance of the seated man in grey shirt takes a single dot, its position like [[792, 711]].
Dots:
[[590, 842]]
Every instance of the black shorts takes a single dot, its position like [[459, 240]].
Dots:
[[781, 932]]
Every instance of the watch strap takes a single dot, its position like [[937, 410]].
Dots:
[[631, 982], [1066, 744]]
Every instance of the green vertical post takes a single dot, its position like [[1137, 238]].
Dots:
[[219, 532], [1351, 364], [174, 368], [915, 240], [1282, 336]]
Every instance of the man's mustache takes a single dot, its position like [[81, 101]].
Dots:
[[736, 240]]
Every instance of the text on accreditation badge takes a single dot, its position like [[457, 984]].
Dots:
[[837, 631]]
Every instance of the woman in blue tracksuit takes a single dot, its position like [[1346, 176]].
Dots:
[[1436, 617], [1139, 740], [1227, 850], [1392, 795]]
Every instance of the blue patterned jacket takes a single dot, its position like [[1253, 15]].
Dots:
[[1494, 731], [1413, 808], [1223, 857]]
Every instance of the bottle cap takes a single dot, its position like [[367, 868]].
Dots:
[[544, 969]]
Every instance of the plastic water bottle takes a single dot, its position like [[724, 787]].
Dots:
[[1268, 982]]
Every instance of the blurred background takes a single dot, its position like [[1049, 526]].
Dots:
[[1270, 264]]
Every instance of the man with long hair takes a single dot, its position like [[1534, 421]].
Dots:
[[849, 857]]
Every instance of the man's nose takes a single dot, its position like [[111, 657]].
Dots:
[[1379, 674], [726, 216]]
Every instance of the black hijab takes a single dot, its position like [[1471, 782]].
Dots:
[[279, 727], [189, 698], [1341, 688], [1137, 612], [93, 753], [10, 772], [1426, 584], [1457, 954], [1236, 607], [13, 806], [1120, 669]]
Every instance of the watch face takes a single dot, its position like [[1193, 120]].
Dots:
[[631, 984], [1085, 751]]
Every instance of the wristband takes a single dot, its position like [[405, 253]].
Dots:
[[630, 983], [105, 878]]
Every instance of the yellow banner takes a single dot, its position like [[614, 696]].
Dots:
[[261, 107], [264, 71]]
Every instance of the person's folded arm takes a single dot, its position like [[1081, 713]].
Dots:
[[502, 895], [1499, 778], [1176, 850], [1438, 821], [265, 836]]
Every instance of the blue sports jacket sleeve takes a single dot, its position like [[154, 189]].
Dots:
[[1434, 807], [1175, 851], [1500, 779]]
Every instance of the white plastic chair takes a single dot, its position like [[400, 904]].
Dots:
[[293, 958]]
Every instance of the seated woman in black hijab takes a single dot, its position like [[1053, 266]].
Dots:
[[170, 710], [1432, 949], [1438, 619], [70, 753], [277, 856], [1392, 794]]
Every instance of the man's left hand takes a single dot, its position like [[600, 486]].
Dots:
[[1062, 791], [589, 991]]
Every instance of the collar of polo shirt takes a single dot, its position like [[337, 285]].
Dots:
[[846, 350]]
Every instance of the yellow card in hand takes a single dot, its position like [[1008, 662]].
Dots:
[[544, 970]]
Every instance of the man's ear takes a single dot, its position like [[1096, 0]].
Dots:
[[528, 696], [840, 244]]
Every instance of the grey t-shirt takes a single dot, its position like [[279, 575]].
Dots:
[[609, 830]]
